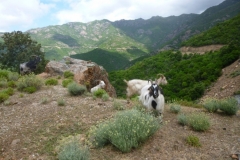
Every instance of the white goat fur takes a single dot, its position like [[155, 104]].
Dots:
[[134, 86], [101, 85], [146, 100]]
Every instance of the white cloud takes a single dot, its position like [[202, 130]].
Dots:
[[27, 14], [21, 13]]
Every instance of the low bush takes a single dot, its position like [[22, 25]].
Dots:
[[8, 91], [211, 105], [193, 141], [229, 106], [3, 97], [65, 82], [125, 131], [3, 82], [76, 89], [99, 92], [30, 89], [68, 74], [117, 105], [13, 76], [182, 119], [11, 84], [61, 102], [105, 97], [199, 121], [175, 108], [73, 151], [31, 81], [51, 81]]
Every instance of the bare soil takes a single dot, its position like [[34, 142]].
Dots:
[[30, 129]]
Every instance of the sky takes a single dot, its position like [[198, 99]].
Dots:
[[23, 15]]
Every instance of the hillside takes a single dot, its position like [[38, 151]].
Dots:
[[31, 129]]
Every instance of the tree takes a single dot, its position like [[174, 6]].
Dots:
[[18, 48]]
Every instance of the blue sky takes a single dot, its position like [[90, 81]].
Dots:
[[29, 14]]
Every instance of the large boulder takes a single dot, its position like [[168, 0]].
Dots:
[[85, 72]]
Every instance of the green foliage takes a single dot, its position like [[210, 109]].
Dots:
[[11, 84], [199, 121], [61, 102], [182, 119], [105, 97], [175, 108], [229, 106], [3, 97], [18, 48], [27, 81], [68, 74], [125, 131], [222, 33], [8, 91], [193, 141], [99, 93], [30, 89], [13, 76], [3, 82], [65, 82], [211, 105], [51, 81], [75, 89], [4, 73], [117, 105], [73, 151]]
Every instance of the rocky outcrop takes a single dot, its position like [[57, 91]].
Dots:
[[85, 72]]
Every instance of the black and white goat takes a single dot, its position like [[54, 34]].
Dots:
[[152, 97], [134, 86], [30, 66]]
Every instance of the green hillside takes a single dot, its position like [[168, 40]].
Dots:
[[110, 60], [222, 33], [188, 75]]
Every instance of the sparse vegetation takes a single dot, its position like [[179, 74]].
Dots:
[[211, 105], [229, 106], [61, 102], [198, 121], [193, 141], [175, 108], [3, 97], [118, 106], [68, 74], [182, 119], [30, 89], [75, 89], [99, 92], [51, 81], [65, 82], [105, 97], [126, 131], [29, 81]]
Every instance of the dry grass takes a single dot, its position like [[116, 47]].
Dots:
[[30, 129]]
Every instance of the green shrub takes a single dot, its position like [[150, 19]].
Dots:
[[175, 108], [76, 89], [182, 119], [199, 121], [30, 89], [125, 131], [68, 74], [229, 106], [11, 84], [211, 105], [193, 141], [4, 73], [65, 82], [73, 151], [105, 97], [3, 97], [99, 92], [61, 102], [44, 101], [51, 81], [117, 105], [30, 80], [13, 76], [3, 82], [8, 91]]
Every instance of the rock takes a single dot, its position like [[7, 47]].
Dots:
[[15, 142], [234, 156], [85, 72]]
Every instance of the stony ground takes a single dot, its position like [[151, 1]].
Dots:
[[30, 127]]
